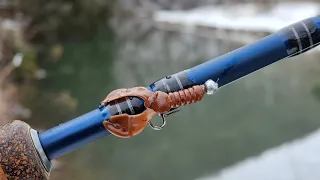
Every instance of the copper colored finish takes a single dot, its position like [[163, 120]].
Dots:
[[19, 160], [125, 125], [2, 175], [158, 102]]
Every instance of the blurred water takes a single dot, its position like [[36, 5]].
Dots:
[[261, 111]]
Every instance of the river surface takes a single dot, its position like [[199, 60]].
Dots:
[[275, 105]]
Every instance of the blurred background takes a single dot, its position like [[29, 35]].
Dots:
[[60, 58]]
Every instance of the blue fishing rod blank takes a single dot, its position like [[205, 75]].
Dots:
[[287, 42]]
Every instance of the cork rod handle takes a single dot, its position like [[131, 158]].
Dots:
[[19, 157]]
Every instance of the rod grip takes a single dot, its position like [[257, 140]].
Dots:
[[19, 158]]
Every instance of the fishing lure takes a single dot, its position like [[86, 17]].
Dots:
[[125, 125], [290, 41]]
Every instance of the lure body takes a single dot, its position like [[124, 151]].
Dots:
[[125, 125]]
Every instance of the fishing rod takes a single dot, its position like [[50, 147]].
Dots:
[[26, 153]]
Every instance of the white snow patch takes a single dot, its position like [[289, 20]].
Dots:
[[246, 17], [8, 24]]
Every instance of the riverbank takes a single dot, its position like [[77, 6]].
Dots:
[[8, 91], [232, 22], [18, 68]]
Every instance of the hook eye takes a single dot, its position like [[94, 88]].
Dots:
[[157, 128]]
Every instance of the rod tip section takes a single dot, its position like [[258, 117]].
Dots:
[[211, 87]]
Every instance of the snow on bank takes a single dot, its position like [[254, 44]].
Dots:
[[247, 17], [9, 24], [296, 160]]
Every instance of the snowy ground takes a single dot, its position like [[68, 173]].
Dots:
[[298, 160], [247, 17]]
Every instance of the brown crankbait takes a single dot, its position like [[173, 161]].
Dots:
[[125, 125]]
